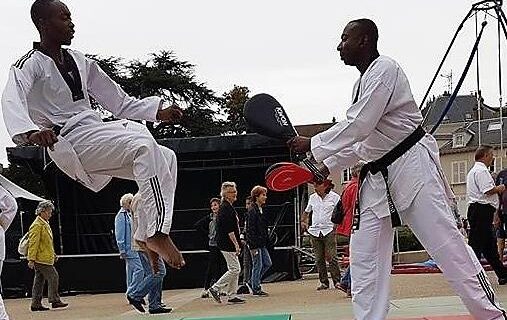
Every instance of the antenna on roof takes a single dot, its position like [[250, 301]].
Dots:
[[448, 76]]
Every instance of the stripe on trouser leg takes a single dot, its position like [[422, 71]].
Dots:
[[162, 218], [158, 201], [490, 294], [155, 185]]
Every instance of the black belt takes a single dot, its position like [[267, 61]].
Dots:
[[381, 166]]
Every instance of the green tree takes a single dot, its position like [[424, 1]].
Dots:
[[232, 106], [165, 76]]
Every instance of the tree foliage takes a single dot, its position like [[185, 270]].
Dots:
[[232, 106], [165, 76]]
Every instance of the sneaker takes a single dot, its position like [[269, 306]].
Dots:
[[243, 289], [323, 287], [502, 281], [340, 287], [137, 304], [39, 308], [160, 310], [260, 293], [250, 290], [59, 305], [204, 294], [236, 300], [215, 294]]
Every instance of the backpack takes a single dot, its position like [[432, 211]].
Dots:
[[338, 214], [23, 245]]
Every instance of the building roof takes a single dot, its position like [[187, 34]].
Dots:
[[489, 131], [463, 109]]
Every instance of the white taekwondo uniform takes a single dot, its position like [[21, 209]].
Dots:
[[8, 209], [384, 114], [38, 95]]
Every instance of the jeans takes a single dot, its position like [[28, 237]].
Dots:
[[151, 285], [135, 272], [345, 280], [261, 262]]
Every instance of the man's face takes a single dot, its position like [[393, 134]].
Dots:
[[58, 26], [248, 204], [489, 158], [351, 44]]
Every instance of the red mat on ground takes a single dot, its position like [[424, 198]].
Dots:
[[440, 318]]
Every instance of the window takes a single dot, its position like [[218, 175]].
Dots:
[[458, 140], [496, 165], [494, 126], [346, 175], [459, 172]]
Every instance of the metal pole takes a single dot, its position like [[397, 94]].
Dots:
[[500, 87], [478, 95]]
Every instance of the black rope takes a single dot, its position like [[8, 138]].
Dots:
[[462, 78]]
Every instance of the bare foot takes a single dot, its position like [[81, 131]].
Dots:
[[153, 256], [163, 245]]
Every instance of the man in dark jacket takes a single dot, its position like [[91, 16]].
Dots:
[[228, 244], [257, 239]]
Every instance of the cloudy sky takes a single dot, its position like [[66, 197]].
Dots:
[[283, 47]]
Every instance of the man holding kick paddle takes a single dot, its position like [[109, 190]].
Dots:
[[402, 182]]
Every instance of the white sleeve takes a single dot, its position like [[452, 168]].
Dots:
[[114, 99], [345, 158], [309, 205], [14, 102], [8, 208], [484, 181], [361, 118]]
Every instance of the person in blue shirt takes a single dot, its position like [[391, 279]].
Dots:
[[123, 233]]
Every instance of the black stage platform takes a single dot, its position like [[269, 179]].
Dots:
[[84, 222]]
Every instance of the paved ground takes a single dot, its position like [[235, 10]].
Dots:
[[413, 296]]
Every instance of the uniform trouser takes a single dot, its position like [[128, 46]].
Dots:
[[324, 248], [152, 283], [134, 271], [48, 273], [430, 218], [126, 149], [3, 313], [229, 279], [215, 267], [482, 239]]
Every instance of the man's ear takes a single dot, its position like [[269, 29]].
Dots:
[[365, 41]]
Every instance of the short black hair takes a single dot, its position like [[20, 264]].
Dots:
[[369, 28], [40, 10]]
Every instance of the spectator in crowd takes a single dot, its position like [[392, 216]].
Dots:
[[482, 207], [216, 265], [348, 198], [245, 256], [41, 258], [152, 282], [501, 222], [228, 243], [123, 232], [257, 238], [8, 209], [322, 231]]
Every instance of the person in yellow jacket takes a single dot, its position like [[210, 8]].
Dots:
[[42, 257]]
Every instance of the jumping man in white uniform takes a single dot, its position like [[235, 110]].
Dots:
[[410, 185], [46, 102]]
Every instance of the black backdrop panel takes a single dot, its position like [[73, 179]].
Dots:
[[87, 218]]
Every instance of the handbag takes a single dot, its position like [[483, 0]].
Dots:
[[23, 245], [338, 214]]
